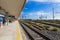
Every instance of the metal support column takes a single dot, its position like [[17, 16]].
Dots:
[[7, 20]]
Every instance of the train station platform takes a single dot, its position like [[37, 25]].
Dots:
[[12, 31]]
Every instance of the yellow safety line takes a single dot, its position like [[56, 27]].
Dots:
[[17, 32]]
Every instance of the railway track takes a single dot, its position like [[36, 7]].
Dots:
[[50, 24], [31, 34], [49, 34], [35, 25], [34, 31]]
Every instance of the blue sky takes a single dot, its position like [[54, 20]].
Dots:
[[33, 9]]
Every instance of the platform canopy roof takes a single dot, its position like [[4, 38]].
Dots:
[[13, 7]]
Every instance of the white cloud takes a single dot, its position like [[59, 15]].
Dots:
[[57, 16], [26, 8], [30, 14], [39, 0], [38, 13], [58, 4], [55, 1], [27, 0]]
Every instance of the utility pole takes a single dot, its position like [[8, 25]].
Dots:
[[40, 17], [53, 13], [46, 17]]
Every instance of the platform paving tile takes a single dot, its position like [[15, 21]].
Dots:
[[8, 32]]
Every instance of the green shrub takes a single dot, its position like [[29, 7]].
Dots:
[[54, 29]]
